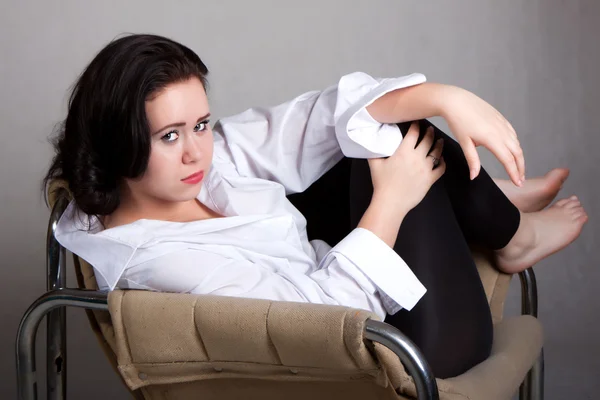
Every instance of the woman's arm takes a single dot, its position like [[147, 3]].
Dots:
[[400, 182], [296, 142], [409, 104], [347, 276], [472, 121]]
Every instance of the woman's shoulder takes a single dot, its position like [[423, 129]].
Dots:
[[77, 229], [85, 236]]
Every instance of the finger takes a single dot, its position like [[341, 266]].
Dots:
[[437, 149], [517, 152], [506, 124], [427, 142], [472, 157], [511, 130], [412, 136], [504, 155], [439, 171]]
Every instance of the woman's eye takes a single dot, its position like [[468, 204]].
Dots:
[[170, 137], [201, 126]]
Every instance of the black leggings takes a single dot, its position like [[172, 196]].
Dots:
[[451, 324]]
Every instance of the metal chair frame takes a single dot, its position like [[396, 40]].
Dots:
[[53, 303]]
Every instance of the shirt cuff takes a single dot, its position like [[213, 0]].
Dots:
[[358, 133], [396, 283]]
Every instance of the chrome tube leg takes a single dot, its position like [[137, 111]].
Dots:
[[56, 332], [409, 354], [533, 385], [56, 355], [537, 379], [525, 388], [25, 343], [529, 293]]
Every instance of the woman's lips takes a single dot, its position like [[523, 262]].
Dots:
[[194, 178]]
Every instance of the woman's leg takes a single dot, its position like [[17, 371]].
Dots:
[[451, 324], [488, 218], [483, 211], [326, 206]]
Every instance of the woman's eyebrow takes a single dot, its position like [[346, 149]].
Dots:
[[178, 124]]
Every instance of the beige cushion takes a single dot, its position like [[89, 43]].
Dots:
[[187, 338], [517, 344], [184, 337], [495, 283]]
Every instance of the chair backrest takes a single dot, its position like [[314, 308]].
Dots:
[[100, 321], [218, 345]]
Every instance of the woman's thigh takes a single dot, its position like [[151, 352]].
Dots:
[[326, 204], [451, 324]]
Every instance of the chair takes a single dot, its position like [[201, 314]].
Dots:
[[211, 347]]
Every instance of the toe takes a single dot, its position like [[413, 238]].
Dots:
[[577, 214], [573, 204], [562, 172], [574, 210], [561, 202], [558, 174]]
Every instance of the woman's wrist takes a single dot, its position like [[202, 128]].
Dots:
[[412, 103], [392, 204], [447, 98], [383, 218]]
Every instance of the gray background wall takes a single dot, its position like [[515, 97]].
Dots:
[[536, 61]]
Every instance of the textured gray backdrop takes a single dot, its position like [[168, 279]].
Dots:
[[536, 61]]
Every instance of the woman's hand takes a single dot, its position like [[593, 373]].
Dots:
[[476, 123], [403, 179]]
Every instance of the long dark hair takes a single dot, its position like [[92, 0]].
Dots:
[[105, 136]]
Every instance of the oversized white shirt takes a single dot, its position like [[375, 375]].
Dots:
[[260, 248]]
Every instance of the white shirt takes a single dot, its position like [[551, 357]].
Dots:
[[261, 249]]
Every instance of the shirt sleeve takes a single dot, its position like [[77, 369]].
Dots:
[[296, 142], [205, 272], [379, 282], [396, 283]]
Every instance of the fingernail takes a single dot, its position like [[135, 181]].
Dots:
[[523, 178]]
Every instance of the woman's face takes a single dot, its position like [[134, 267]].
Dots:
[[181, 144]]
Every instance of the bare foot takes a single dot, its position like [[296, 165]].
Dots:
[[536, 193], [541, 234]]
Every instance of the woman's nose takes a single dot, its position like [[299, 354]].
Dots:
[[192, 151]]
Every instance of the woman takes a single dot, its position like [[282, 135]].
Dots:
[[163, 202]]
